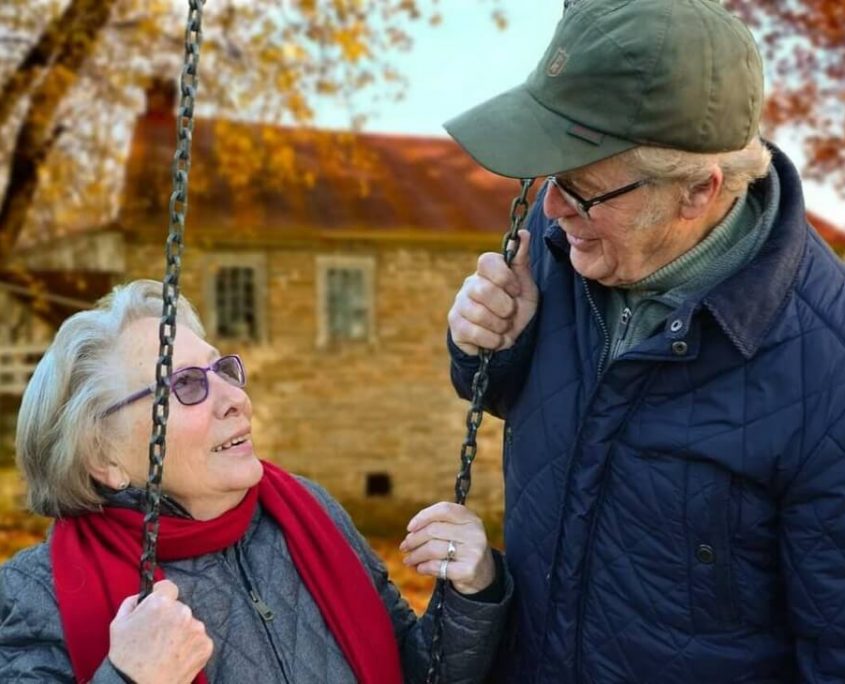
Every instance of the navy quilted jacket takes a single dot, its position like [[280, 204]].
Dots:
[[678, 515]]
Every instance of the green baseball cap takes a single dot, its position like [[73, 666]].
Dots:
[[684, 74]]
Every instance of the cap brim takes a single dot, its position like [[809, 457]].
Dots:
[[514, 135]]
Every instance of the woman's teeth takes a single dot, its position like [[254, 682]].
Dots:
[[228, 445]]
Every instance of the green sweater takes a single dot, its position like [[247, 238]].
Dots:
[[634, 312]]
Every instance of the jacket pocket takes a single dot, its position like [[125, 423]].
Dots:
[[708, 505]]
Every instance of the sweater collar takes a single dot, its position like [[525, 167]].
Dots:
[[691, 271]]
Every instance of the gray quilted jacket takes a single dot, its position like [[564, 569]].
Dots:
[[264, 623]]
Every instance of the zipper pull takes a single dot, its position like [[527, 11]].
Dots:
[[622, 331], [262, 608]]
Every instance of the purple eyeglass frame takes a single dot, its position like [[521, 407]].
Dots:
[[150, 389]]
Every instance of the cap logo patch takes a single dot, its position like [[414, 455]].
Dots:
[[585, 133], [557, 63]]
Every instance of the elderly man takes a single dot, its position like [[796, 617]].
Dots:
[[670, 364]]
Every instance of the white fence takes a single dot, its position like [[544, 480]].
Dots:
[[17, 362]]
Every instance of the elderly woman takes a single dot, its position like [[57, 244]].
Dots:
[[261, 575]]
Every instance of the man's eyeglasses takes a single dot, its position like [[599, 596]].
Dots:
[[190, 384], [583, 206]]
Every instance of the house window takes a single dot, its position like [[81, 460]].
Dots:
[[347, 304], [235, 296], [235, 303], [345, 299]]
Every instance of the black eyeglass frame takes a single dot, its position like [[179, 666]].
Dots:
[[583, 206], [150, 389]]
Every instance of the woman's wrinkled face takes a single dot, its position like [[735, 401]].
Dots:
[[209, 462]]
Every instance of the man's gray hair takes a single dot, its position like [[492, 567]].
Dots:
[[60, 431], [690, 169]]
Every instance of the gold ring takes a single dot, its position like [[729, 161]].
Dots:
[[451, 551]]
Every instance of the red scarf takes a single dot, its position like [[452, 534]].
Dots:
[[95, 561]]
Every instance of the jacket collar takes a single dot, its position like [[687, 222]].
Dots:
[[136, 499], [770, 275]]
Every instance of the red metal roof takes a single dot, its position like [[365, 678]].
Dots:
[[257, 182], [834, 236], [263, 180]]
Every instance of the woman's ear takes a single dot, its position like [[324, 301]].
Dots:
[[701, 198], [110, 473]]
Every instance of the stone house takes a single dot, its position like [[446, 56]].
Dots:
[[328, 260]]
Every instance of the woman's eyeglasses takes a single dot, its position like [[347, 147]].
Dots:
[[583, 206], [190, 384]]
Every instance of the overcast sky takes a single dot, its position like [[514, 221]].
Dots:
[[466, 60]]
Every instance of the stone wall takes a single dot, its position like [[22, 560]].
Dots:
[[341, 412]]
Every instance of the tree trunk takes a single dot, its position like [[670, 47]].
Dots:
[[39, 56], [71, 43]]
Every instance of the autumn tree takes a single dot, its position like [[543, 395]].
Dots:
[[804, 45], [73, 72]]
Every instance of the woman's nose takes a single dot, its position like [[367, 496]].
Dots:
[[228, 397]]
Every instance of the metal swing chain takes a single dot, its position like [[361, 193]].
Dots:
[[178, 208], [475, 414]]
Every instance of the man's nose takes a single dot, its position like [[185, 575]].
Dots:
[[555, 205]]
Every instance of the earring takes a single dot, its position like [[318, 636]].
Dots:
[[124, 485]]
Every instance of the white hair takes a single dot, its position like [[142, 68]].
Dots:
[[688, 170], [60, 431]]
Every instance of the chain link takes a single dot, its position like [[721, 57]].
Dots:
[[178, 208], [475, 414]]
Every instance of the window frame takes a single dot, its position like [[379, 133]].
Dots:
[[258, 263], [366, 265]]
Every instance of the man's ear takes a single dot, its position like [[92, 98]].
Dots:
[[700, 198]]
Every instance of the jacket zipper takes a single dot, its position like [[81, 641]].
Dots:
[[575, 447], [263, 610], [602, 325], [591, 536], [258, 604], [621, 331]]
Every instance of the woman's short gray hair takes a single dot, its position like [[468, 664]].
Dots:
[[689, 169], [60, 430]]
